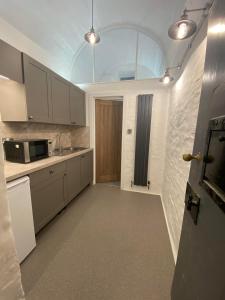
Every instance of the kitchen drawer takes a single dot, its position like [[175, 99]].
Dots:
[[47, 173]]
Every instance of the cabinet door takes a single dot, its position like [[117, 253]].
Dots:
[[47, 195], [36, 77], [77, 106], [10, 62], [73, 182], [60, 100], [86, 168]]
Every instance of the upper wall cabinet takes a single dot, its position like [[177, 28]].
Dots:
[[60, 95], [77, 106], [35, 93], [10, 62], [37, 82]]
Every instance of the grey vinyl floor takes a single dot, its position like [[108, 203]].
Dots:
[[107, 244]]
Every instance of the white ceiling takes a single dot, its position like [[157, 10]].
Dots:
[[58, 26]]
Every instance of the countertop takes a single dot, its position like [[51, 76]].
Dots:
[[17, 170]]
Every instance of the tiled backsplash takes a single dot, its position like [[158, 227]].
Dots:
[[70, 136]]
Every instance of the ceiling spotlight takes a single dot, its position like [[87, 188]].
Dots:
[[167, 78], [182, 29], [92, 37]]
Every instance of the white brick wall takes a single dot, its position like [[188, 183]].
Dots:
[[183, 110]]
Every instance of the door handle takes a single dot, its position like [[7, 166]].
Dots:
[[189, 157]]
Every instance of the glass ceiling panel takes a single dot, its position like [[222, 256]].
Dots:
[[83, 67], [150, 58], [122, 54], [115, 56]]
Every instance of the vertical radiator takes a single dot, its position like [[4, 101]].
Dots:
[[144, 112]]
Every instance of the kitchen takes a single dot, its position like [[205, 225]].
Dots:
[[109, 182]]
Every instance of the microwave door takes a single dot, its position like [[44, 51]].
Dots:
[[38, 150]]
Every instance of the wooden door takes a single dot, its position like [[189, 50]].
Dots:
[[77, 106], [108, 115], [60, 90], [37, 81], [200, 267]]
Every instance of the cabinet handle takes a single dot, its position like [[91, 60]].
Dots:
[[74, 123], [30, 117]]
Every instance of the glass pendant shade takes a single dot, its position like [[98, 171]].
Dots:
[[92, 37], [182, 29]]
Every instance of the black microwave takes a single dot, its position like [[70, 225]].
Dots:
[[26, 151]]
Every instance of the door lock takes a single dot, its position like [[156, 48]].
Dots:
[[192, 203]]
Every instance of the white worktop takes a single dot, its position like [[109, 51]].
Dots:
[[16, 170]]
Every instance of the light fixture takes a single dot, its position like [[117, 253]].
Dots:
[[218, 28], [167, 78], [92, 37], [184, 27]]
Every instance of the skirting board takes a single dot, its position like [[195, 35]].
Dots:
[[174, 250], [139, 191]]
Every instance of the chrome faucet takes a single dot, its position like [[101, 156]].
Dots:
[[60, 142]]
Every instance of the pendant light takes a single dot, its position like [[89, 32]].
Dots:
[[184, 27], [92, 37]]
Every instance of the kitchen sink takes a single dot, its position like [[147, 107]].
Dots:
[[68, 150]]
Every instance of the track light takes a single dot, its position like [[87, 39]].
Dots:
[[167, 78], [184, 27], [92, 37]]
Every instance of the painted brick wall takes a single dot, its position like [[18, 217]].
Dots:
[[182, 118], [157, 141]]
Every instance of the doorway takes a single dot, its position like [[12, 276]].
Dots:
[[108, 131]]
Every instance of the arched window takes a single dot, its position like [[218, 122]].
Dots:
[[122, 54]]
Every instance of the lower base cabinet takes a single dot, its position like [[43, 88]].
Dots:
[[47, 194], [79, 174], [54, 187], [73, 186]]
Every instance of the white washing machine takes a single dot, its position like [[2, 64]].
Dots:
[[19, 198]]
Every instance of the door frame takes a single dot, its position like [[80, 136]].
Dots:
[[90, 108]]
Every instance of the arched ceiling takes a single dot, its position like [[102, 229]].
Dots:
[[59, 26]]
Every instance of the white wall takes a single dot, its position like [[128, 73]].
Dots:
[[183, 110], [10, 278], [129, 91], [15, 38]]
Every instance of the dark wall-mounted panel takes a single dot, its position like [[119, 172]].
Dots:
[[144, 112]]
